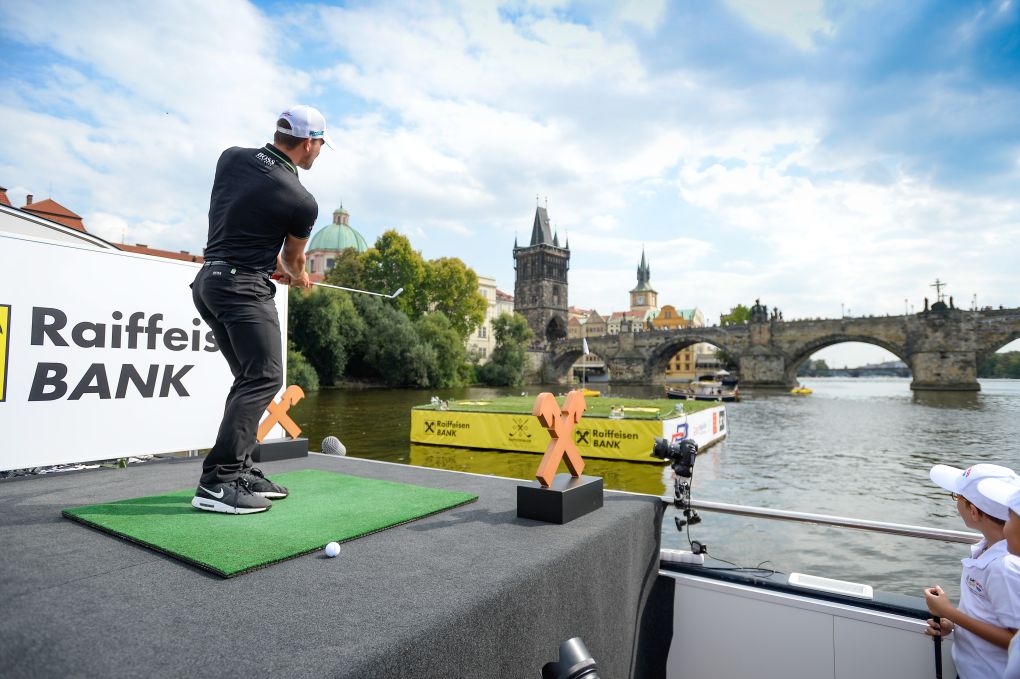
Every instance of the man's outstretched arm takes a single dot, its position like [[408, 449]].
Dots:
[[292, 261]]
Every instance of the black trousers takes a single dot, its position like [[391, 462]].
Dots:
[[239, 307]]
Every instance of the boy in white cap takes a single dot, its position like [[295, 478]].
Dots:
[[989, 611], [1008, 493]]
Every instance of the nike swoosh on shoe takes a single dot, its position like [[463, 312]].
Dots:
[[215, 495]]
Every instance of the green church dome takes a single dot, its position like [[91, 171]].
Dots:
[[338, 236]]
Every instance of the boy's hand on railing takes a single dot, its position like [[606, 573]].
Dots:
[[938, 602]]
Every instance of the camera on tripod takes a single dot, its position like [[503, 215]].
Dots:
[[681, 456]]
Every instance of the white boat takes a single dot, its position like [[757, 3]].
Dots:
[[798, 626]]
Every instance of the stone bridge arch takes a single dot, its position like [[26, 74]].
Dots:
[[559, 363], [994, 341], [660, 355], [636, 358], [796, 357], [941, 346]]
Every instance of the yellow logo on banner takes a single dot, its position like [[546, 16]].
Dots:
[[5, 343]]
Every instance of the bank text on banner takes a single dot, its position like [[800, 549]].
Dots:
[[103, 366]]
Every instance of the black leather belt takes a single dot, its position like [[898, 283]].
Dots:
[[234, 267]]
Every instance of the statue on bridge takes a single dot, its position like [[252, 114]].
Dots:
[[759, 312]]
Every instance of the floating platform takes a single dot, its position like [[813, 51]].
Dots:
[[507, 424]]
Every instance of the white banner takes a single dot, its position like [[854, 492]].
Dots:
[[705, 426], [103, 355]]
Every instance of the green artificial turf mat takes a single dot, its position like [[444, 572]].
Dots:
[[323, 507]]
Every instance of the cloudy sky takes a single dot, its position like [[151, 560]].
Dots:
[[822, 156]]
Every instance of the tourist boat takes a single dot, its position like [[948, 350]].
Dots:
[[588, 393], [802, 391], [706, 390]]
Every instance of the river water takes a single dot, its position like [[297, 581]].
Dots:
[[858, 448]]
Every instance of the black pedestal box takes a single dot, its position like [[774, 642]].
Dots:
[[565, 500], [280, 449]]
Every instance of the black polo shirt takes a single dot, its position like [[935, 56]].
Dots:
[[257, 201]]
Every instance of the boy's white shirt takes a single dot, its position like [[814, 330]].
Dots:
[[989, 591], [1013, 664]]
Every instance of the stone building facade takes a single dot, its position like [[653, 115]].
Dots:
[[540, 281]]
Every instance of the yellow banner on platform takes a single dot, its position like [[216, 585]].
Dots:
[[5, 325], [594, 437]]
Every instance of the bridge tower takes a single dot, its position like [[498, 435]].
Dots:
[[643, 297], [540, 281]]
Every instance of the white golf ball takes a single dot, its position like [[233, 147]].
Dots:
[[332, 549]]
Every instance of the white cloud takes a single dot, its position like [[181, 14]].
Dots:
[[796, 20], [869, 246], [449, 118], [148, 98], [644, 13]]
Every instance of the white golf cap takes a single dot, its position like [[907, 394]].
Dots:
[[1004, 491], [305, 122], [965, 482]]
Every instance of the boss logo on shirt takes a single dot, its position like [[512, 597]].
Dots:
[[975, 586], [265, 159]]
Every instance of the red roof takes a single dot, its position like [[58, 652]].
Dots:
[[146, 250], [504, 297], [55, 212]]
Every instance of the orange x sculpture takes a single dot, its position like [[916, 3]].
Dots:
[[560, 424], [278, 413]]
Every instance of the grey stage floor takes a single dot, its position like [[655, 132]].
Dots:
[[474, 591]]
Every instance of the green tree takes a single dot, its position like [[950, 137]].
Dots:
[[349, 270], [435, 330], [392, 264], [811, 368], [738, 315], [389, 349], [324, 326], [452, 288], [1005, 364], [506, 367], [299, 370]]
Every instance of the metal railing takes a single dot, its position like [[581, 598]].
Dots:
[[840, 521]]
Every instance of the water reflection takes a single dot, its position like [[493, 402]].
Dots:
[[951, 400], [633, 476], [856, 447]]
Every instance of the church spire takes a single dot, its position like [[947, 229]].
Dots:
[[540, 231], [644, 273]]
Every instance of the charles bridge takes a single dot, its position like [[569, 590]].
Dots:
[[942, 346]]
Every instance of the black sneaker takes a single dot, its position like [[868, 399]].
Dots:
[[234, 497], [260, 485]]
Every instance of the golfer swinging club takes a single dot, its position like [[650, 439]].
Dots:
[[257, 206]]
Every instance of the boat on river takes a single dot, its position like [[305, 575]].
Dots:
[[716, 387]]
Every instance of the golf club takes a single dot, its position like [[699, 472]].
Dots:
[[364, 292], [338, 287]]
